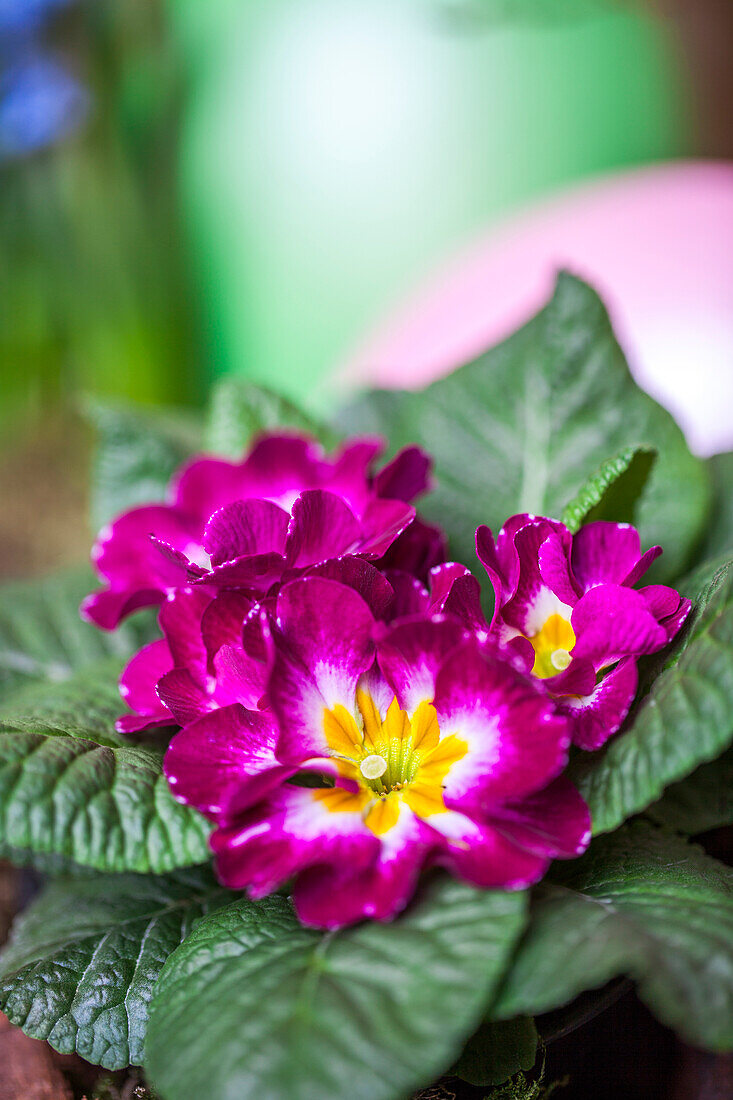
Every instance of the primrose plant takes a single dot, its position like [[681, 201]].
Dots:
[[336, 792]]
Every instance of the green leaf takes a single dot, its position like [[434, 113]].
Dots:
[[72, 788], [84, 958], [685, 720], [702, 801], [44, 863], [498, 1050], [520, 427], [42, 636], [240, 410], [86, 705], [645, 903], [720, 534], [137, 452], [700, 583], [97, 805], [252, 1005], [613, 491]]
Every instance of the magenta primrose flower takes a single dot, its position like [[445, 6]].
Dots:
[[215, 651], [431, 746], [250, 524], [197, 665], [567, 607], [212, 653]]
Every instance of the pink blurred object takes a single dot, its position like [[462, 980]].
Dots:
[[657, 243]]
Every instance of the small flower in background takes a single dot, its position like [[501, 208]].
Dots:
[[21, 17], [41, 101], [437, 748], [567, 607], [251, 524]]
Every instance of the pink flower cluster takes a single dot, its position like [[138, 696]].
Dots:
[[347, 713]]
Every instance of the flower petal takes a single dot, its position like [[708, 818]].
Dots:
[[290, 830], [661, 600], [534, 599], [410, 596], [349, 475], [597, 716], [516, 741], [605, 552], [280, 466], [180, 565], [330, 895], [108, 608], [455, 591], [416, 550], [183, 696], [239, 678], [255, 574], [362, 576], [553, 822], [554, 563], [180, 620], [579, 678], [203, 485], [612, 621], [322, 526], [638, 571], [411, 655], [246, 527], [221, 622], [486, 553], [673, 622], [667, 607], [224, 762], [323, 646], [382, 522], [131, 724], [257, 640], [407, 476], [138, 574], [137, 685], [501, 559], [483, 855]]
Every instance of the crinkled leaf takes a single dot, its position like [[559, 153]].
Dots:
[[702, 801], [42, 636], [137, 451], [519, 429], [101, 806], [252, 1005], [720, 533], [240, 410], [700, 583], [642, 902], [44, 862], [613, 491], [86, 705], [498, 1050], [685, 720], [83, 959]]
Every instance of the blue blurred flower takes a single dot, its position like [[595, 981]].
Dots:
[[26, 16], [40, 102]]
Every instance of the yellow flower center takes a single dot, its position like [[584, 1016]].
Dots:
[[394, 760], [552, 646]]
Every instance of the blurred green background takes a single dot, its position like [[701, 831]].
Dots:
[[196, 187]]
